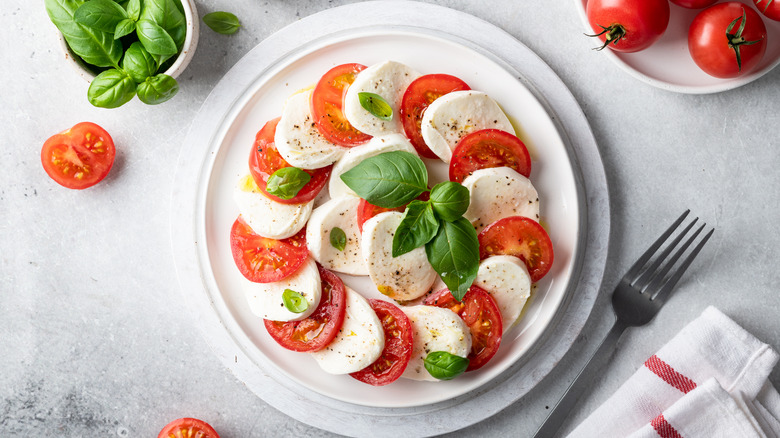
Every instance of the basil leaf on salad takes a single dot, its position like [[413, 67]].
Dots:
[[294, 301], [450, 200], [155, 39], [454, 255], [103, 15], [338, 238], [376, 105], [286, 182], [157, 89], [125, 27], [444, 365], [111, 89], [221, 22], [418, 226], [388, 180]]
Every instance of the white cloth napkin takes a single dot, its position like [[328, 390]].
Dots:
[[709, 381]]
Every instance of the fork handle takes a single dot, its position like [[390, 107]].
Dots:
[[581, 383]]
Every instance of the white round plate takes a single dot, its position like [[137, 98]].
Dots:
[[567, 173], [668, 65]]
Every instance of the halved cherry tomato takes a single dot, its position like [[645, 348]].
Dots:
[[367, 210], [694, 4], [398, 346], [188, 428], [316, 331], [78, 157], [265, 159], [264, 260], [489, 148], [327, 102], [481, 313], [628, 25], [521, 237], [417, 97], [770, 8]]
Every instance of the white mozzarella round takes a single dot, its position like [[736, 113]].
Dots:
[[359, 342], [506, 279], [401, 278], [297, 138], [499, 192], [355, 155], [267, 217], [388, 79], [265, 299], [434, 329], [457, 114], [342, 213]]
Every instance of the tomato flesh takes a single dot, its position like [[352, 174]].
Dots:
[[521, 237], [481, 313], [417, 97], [264, 260], [188, 428], [367, 210], [632, 25], [398, 346], [489, 148], [327, 103], [79, 157]]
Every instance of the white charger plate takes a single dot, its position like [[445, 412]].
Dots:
[[668, 65], [254, 91]]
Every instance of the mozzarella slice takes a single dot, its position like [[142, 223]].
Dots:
[[388, 79], [434, 329], [499, 192], [265, 299], [342, 213], [266, 217], [359, 342], [506, 279], [401, 278], [354, 156], [298, 139], [457, 114]]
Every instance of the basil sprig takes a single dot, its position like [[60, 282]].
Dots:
[[376, 105], [450, 200], [294, 301], [286, 182], [388, 180], [454, 254], [338, 238], [444, 365], [225, 23], [418, 227]]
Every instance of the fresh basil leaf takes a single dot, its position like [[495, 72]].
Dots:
[[111, 89], [102, 15], [450, 200], [157, 89], [418, 227], [444, 365], [133, 9], [155, 39], [388, 180], [376, 105], [125, 27], [138, 63], [338, 238], [286, 182], [92, 46], [166, 14], [222, 22], [454, 255], [294, 301]]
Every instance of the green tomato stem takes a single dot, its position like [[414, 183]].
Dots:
[[612, 34]]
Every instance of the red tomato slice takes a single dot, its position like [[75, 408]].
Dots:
[[421, 93], [78, 157], [265, 159], [188, 428], [521, 237], [316, 331], [367, 210], [264, 260], [481, 313], [489, 148], [327, 102], [398, 346]]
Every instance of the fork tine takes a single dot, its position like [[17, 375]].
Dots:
[[636, 268], [660, 275], [667, 288], [652, 271]]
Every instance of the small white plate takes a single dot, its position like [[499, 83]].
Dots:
[[668, 65]]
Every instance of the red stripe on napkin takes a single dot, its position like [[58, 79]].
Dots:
[[669, 375], [663, 428]]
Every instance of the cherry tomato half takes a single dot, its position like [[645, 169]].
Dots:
[[264, 260], [489, 148], [417, 97], [327, 102], [628, 25], [367, 210], [398, 346], [694, 4], [188, 428], [770, 8], [316, 331], [78, 157], [481, 313], [521, 237]]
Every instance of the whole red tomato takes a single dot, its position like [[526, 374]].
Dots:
[[727, 40], [694, 4], [628, 25], [770, 8]]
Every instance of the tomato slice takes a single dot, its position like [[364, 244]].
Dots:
[[316, 331], [521, 237], [188, 428], [421, 93], [481, 313], [327, 102], [367, 210], [398, 346], [489, 148], [264, 260], [265, 159], [78, 157]]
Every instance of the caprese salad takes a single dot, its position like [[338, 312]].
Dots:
[[454, 262]]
